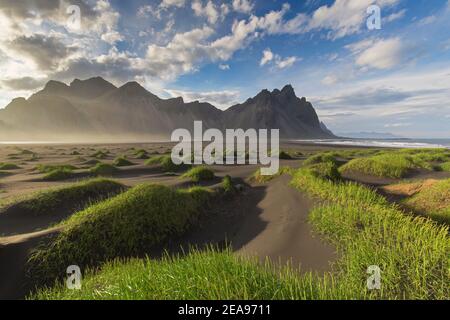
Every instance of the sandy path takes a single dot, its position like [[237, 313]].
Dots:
[[267, 220], [287, 235]]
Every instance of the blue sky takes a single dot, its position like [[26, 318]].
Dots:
[[396, 79]]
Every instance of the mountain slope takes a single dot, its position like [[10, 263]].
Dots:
[[96, 109]]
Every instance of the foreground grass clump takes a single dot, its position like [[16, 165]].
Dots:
[[199, 174], [209, 275], [104, 169], [392, 165], [71, 197], [411, 252], [166, 163], [433, 201], [124, 226], [122, 162], [58, 175], [8, 166]]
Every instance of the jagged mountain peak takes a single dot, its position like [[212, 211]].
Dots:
[[133, 87], [55, 86], [95, 81]]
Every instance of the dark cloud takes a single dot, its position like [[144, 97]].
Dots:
[[25, 83], [46, 52], [115, 68], [47, 9]]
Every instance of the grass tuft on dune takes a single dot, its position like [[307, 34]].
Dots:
[[8, 166], [75, 196], [122, 162], [104, 169], [58, 175], [46, 168], [445, 166], [319, 158], [390, 165], [127, 225], [166, 163], [198, 174], [432, 201]]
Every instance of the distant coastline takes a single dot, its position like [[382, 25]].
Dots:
[[383, 143]]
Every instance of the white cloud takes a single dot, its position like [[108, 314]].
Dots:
[[330, 80], [379, 53], [173, 3], [396, 15], [286, 62], [244, 6], [343, 17], [224, 67], [397, 125], [209, 10], [427, 20], [280, 63], [112, 37], [267, 57], [220, 99]]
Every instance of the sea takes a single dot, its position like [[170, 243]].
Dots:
[[377, 143], [388, 143]]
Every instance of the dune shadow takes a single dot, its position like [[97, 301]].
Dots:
[[220, 224]]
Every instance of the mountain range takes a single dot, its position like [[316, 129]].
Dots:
[[95, 109]]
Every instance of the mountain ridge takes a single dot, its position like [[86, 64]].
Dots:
[[96, 107]]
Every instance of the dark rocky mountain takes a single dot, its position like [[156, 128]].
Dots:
[[96, 109]]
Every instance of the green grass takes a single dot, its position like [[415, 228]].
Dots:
[[392, 165], [319, 158], [47, 168], [227, 185], [432, 202], [8, 166], [127, 225], [141, 154], [100, 154], [325, 170], [58, 174], [259, 178], [73, 197], [209, 275], [104, 169], [411, 252], [198, 174], [166, 162], [366, 229], [445, 166], [122, 162]]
